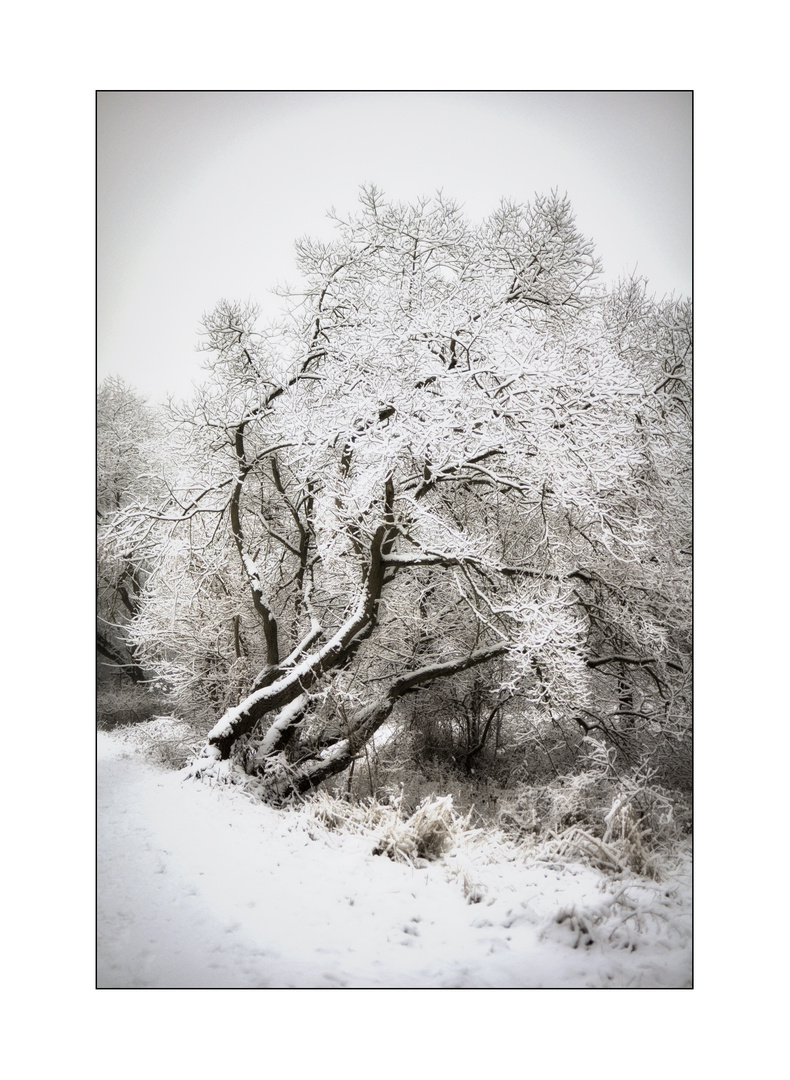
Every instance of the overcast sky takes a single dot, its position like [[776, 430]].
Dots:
[[202, 194]]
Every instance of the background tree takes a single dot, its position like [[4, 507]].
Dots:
[[127, 431], [456, 469]]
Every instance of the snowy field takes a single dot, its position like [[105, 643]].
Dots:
[[200, 887]]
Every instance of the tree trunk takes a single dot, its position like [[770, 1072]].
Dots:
[[129, 668], [282, 779]]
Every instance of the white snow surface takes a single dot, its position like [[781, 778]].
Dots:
[[198, 886]]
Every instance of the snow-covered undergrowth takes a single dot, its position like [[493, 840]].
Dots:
[[200, 885], [165, 740]]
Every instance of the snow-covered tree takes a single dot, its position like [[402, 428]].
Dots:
[[457, 468], [127, 434]]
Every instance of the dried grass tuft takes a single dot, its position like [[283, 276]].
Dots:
[[431, 831]]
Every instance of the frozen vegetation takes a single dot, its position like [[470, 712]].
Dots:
[[201, 885]]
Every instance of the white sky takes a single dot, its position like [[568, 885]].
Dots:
[[202, 194]]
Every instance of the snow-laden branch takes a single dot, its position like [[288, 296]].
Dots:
[[430, 558], [598, 661], [272, 672], [287, 720]]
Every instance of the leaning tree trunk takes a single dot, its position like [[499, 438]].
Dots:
[[281, 779], [285, 683]]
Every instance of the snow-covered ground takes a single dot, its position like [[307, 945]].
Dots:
[[200, 887]]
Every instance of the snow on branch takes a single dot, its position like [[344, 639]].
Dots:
[[640, 660]]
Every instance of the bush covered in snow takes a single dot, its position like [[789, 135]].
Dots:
[[128, 703], [167, 740], [428, 833], [612, 820]]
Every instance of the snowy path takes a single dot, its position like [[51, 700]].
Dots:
[[198, 887]]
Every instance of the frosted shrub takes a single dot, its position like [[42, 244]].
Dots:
[[612, 820], [129, 704], [628, 834], [167, 740], [550, 808], [428, 833], [332, 812], [434, 827]]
